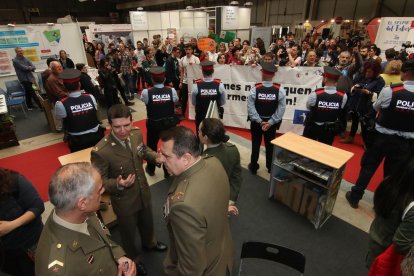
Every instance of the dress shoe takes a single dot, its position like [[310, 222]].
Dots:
[[158, 247], [253, 168], [141, 269], [349, 140], [150, 173], [129, 103], [352, 202]]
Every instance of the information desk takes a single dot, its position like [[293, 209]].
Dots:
[[306, 175], [106, 212]]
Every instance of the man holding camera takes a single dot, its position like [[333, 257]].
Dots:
[[394, 135]]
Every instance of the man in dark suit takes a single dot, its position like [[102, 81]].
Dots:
[[119, 157], [196, 208]]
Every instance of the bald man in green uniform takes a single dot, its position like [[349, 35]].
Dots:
[[74, 241], [195, 209]]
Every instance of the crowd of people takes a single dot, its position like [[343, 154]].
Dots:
[[357, 86]]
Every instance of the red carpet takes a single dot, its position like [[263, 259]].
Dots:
[[38, 165]]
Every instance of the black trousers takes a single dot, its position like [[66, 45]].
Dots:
[[16, 262], [80, 142], [319, 133], [257, 134], [184, 98], [30, 93], [392, 148], [154, 130]]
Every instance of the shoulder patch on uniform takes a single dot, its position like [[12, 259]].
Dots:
[[217, 80], [276, 85], [397, 87], [257, 85], [198, 81], [340, 93], [55, 266], [319, 91]]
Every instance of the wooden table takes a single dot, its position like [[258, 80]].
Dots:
[[106, 212]]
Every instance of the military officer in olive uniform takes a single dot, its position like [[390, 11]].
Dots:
[[326, 105], [266, 105], [119, 157], [212, 134], [160, 101], [74, 241], [195, 209], [206, 90]]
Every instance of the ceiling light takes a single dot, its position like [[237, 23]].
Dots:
[[248, 4], [189, 7], [379, 20], [322, 21], [11, 25], [360, 21], [332, 20], [140, 9], [234, 3]]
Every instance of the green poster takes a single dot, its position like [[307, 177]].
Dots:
[[52, 36]]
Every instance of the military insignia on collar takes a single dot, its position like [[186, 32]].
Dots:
[[90, 259], [177, 195], [113, 144], [95, 149]]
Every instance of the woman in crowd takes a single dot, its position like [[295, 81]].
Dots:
[[65, 61], [221, 59], [360, 102], [99, 53], [229, 52], [222, 48], [235, 58], [391, 73], [394, 218], [20, 223], [212, 134], [260, 45]]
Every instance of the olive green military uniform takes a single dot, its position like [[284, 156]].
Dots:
[[62, 251], [229, 156], [131, 205], [196, 216]]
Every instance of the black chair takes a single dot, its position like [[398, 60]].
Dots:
[[272, 252]]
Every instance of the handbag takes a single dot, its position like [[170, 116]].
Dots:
[[388, 263]]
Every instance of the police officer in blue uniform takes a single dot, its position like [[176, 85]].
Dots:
[[78, 112], [326, 106], [266, 105], [160, 101], [206, 90], [394, 135]]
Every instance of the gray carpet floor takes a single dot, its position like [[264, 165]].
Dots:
[[338, 248]]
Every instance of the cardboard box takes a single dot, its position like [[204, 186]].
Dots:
[[294, 194], [309, 203]]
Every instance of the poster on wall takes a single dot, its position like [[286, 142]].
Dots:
[[230, 18], [39, 42], [393, 32], [111, 33], [139, 20]]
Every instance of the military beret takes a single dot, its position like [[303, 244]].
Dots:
[[268, 68], [331, 73], [408, 65], [207, 65], [157, 72], [70, 75]]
